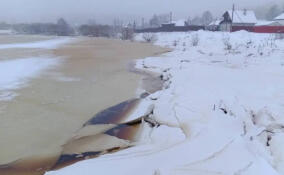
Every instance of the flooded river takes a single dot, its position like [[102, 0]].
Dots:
[[36, 126]]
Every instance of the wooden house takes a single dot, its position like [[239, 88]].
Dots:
[[238, 19]]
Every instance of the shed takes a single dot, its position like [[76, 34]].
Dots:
[[214, 25]]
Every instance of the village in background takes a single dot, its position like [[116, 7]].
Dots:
[[268, 20]]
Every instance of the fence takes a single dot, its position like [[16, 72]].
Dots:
[[260, 29], [247, 28], [171, 29], [256, 29], [269, 29]]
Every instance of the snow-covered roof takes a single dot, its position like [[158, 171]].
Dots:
[[280, 17], [180, 22], [243, 16], [215, 22], [267, 23]]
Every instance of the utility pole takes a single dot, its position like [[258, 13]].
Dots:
[[233, 12], [134, 25], [143, 23], [171, 17]]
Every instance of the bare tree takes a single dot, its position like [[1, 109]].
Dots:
[[157, 20], [63, 28], [206, 18], [154, 21], [273, 12], [196, 21], [127, 34], [188, 21]]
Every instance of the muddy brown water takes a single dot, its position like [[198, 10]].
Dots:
[[37, 124]]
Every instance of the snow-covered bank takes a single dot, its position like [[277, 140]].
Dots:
[[220, 110], [47, 44], [15, 74]]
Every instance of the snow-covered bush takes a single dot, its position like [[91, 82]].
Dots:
[[271, 42], [149, 37], [195, 40], [279, 36], [249, 44], [175, 43], [226, 41]]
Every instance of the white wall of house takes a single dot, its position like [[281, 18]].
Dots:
[[226, 27], [281, 21]]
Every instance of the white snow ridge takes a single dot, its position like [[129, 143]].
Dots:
[[14, 74], [220, 112], [48, 44]]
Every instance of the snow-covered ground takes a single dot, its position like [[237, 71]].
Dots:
[[220, 110]]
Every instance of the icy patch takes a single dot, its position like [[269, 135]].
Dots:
[[67, 79], [48, 44], [6, 96], [15, 74]]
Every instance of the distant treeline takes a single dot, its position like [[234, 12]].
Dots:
[[96, 30], [62, 28]]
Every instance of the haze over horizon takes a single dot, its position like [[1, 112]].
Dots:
[[15, 11]]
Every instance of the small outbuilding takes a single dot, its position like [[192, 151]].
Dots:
[[214, 25], [177, 23]]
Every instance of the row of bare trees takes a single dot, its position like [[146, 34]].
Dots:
[[274, 11], [156, 21], [205, 19], [61, 28]]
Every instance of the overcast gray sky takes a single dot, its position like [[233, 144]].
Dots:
[[106, 10]]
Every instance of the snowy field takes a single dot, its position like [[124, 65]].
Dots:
[[220, 111]]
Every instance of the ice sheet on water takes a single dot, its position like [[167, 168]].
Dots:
[[15, 74], [48, 44]]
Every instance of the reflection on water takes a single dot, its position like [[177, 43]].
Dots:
[[31, 166], [115, 114], [102, 134], [87, 147]]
